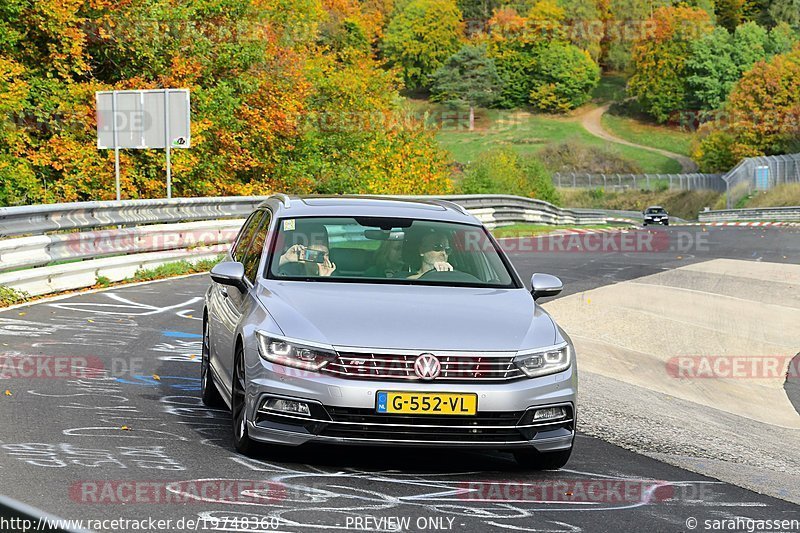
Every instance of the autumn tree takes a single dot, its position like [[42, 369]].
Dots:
[[536, 61], [659, 81], [421, 37], [286, 96], [730, 13], [627, 22], [762, 116]]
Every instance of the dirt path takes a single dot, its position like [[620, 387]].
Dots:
[[591, 121]]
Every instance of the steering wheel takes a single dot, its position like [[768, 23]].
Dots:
[[449, 275]]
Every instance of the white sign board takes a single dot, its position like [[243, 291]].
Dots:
[[158, 118]]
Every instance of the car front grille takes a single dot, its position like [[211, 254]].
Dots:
[[388, 366], [366, 424]]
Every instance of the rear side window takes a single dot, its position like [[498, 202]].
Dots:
[[245, 236], [253, 256]]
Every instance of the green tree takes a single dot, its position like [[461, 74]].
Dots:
[[787, 11], [750, 44], [711, 70], [563, 78], [421, 37], [659, 81], [782, 38], [467, 79]]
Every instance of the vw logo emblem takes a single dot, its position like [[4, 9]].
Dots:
[[427, 366]]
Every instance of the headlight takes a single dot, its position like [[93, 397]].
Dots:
[[541, 362], [297, 354]]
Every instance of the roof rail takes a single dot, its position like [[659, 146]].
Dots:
[[284, 198], [452, 205]]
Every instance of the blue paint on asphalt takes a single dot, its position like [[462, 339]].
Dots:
[[182, 335]]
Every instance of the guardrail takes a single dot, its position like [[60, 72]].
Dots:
[[783, 214], [689, 182], [38, 219], [56, 255]]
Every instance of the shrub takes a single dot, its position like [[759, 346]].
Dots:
[[503, 171], [9, 296], [575, 157]]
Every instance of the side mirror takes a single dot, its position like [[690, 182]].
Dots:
[[229, 273], [545, 285]]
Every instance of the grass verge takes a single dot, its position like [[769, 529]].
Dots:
[[647, 134], [529, 230], [786, 195], [524, 132]]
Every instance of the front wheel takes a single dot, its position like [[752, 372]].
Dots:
[[208, 390], [531, 459], [241, 440]]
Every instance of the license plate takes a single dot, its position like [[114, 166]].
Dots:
[[427, 403]]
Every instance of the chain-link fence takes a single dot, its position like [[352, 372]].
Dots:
[[712, 182], [760, 174]]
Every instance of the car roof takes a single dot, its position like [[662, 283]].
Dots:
[[426, 208]]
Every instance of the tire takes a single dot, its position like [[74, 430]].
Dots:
[[644, 224], [208, 389], [531, 459], [666, 223], [241, 440]]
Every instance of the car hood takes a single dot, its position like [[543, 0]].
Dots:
[[407, 316]]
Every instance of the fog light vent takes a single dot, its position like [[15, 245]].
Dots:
[[550, 413], [287, 406]]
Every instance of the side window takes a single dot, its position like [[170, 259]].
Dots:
[[256, 248], [245, 236]]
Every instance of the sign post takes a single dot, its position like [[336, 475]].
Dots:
[[146, 119]]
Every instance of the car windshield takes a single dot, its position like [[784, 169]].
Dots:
[[386, 250], [655, 211]]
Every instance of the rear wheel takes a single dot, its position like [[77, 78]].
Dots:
[[241, 440], [531, 459], [208, 389]]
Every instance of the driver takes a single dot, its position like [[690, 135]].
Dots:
[[433, 250]]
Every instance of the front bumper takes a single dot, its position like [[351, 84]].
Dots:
[[662, 221], [343, 412]]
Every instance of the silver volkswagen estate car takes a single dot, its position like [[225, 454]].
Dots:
[[384, 321]]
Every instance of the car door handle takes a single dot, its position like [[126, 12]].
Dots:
[[224, 292]]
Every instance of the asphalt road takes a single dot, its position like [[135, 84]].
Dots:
[[133, 441]]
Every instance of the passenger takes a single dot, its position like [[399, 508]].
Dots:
[[388, 261], [309, 256], [433, 252]]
